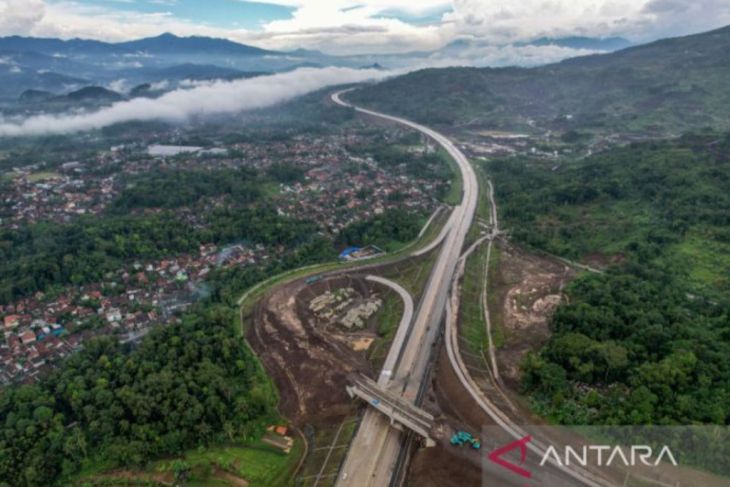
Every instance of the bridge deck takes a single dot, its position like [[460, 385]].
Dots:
[[402, 413]]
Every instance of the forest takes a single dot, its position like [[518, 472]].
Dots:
[[632, 348], [667, 202], [43, 255], [186, 385], [648, 341], [176, 188], [393, 227]]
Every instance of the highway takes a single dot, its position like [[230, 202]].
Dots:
[[375, 453], [375, 450]]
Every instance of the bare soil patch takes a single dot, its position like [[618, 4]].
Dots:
[[529, 289], [308, 362], [162, 478], [598, 260], [233, 480]]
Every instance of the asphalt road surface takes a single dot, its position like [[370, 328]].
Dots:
[[374, 453]]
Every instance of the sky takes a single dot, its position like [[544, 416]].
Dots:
[[362, 26]]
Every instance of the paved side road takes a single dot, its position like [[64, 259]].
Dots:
[[400, 335]]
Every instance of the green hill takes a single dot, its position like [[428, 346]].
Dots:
[[662, 88], [646, 342]]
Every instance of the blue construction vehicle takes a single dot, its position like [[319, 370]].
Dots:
[[461, 438], [313, 279]]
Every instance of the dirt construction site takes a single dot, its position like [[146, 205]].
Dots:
[[312, 334], [306, 351], [524, 291]]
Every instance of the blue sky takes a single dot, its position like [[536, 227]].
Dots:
[[219, 13], [250, 15]]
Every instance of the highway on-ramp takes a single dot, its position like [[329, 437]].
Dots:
[[375, 450]]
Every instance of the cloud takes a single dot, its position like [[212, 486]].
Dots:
[[160, 85], [68, 19], [505, 55], [494, 21], [119, 85], [677, 17], [382, 26], [18, 17], [638, 19], [355, 27], [220, 97]]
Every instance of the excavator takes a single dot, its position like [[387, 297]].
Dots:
[[461, 438]]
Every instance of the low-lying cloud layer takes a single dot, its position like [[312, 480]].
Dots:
[[178, 106]]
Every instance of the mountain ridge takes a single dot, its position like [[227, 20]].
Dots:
[[664, 88]]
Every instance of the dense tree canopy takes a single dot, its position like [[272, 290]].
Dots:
[[46, 254], [186, 385], [173, 189], [649, 341], [632, 348], [657, 190], [393, 226]]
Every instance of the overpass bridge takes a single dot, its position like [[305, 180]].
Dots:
[[401, 413]]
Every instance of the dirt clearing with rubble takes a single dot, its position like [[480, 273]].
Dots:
[[525, 291], [308, 358]]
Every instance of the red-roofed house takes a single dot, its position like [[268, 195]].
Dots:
[[12, 321], [27, 337]]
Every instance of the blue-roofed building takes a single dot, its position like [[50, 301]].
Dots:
[[359, 253], [345, 254]]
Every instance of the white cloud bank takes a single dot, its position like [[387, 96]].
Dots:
[[220, 97], [367, 26]]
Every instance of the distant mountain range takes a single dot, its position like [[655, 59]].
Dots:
[[60, 66], [168, 44], [87, 96], [665, 87], [164, 44], [606, 44]]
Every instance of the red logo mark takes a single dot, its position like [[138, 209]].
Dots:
[[496, 457]]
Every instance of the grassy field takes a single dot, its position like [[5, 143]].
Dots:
[[327, 452], [42, 176], [271, 189], [412, 275], [453, 197], [483, 204], [260, 464], [388, 318], [256, 465], [496, 289], [8, 176], [705, 259], [472, 327]]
